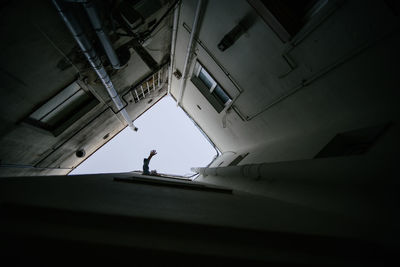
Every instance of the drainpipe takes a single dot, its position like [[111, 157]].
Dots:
[[323, 171], [92, 57], [189, 52], [173, 42], [98, 27]]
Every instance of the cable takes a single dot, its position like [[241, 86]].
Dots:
[[56, 47]]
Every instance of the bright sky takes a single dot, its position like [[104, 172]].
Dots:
[[165, 128]]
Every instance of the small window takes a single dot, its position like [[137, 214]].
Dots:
[[206, 78], [62, 110], [210, 88]]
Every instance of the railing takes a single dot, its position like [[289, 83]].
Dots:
[[153, 83]]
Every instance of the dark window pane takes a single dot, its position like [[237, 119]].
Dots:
[[62, 110], [206, 78], [212, 98], [220, 93]]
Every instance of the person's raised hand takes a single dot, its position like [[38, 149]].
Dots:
[[153, 152]]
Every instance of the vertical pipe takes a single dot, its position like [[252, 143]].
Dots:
[[173, 43], [189, 51]]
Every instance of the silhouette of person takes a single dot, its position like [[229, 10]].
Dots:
[[146, 162]]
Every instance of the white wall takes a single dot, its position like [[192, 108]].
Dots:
[[99, 194], [346, 79], [347, 66]]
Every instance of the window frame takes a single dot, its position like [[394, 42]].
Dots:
[[73, 110], [209, 93]]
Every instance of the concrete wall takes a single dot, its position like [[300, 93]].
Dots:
[[99, 193], [175, 219], [344, 78], [36, 58], [362, 188]]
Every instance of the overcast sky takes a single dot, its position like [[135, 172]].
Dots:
[[165, 128]]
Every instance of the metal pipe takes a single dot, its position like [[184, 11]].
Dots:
[[189, 51], [103, 37], [173, 43], [91, 55], [98, 27], [333, 171]]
